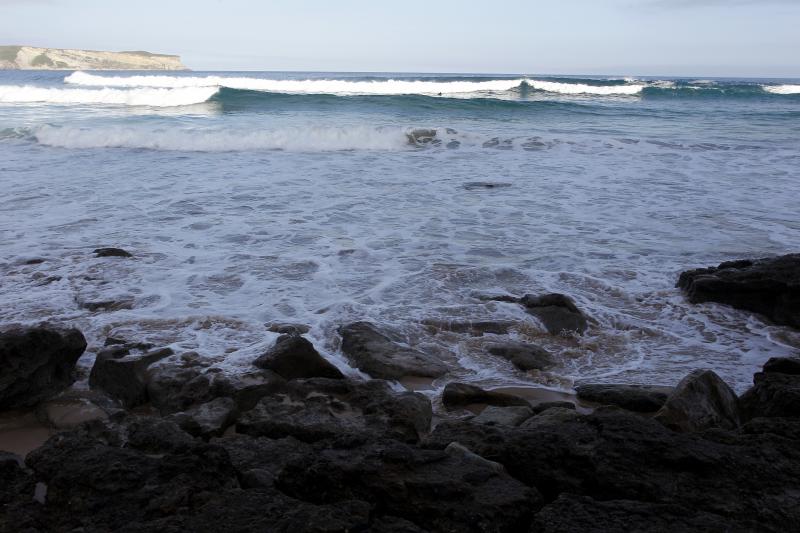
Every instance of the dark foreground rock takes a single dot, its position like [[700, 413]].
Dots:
[[336, 455], [381, 357], [639, 398], [700, 401], [123, 375], [770, 287], [37, 363], [557, 312], [293, 357]]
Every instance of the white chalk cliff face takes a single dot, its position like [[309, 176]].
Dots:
[[32, 58]]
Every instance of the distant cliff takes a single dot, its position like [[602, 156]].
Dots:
[[32, 58]]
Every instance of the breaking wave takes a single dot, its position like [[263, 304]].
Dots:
[[154, 97], [356, 87], [782, 89]]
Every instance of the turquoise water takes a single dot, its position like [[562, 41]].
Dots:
[[322, 198]]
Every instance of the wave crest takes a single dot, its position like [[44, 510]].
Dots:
[[17, 94], [782, 89]]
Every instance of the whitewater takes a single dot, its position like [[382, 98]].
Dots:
[[250, 199]]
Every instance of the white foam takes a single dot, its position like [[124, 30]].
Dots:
[[154, 97], [582, 88], [294, 139], [383, 87], [782, 89]]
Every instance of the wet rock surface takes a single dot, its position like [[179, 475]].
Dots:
[[770, 287], [37, 363], [557, 312], [524, 356], [293, 357], [381, 357], [111, 252], [700, 401], [461, 394], [640, 398]]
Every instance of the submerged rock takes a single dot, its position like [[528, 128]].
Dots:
[[112, 252], [295, 357], [36, 363], [770, 287], [700, 401], [461, 394], [557, 312], [522, 355], [376, 354], [639, 398], [476, 328], [473, 185]]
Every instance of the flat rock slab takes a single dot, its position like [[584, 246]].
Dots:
[[379, 356], [639, 398], [770, 287], [462, 394], [36, 363]]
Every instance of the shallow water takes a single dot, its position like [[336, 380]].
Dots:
[[251, 207]]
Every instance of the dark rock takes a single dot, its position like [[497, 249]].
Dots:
[[612, 454], [392, 524], [111, 252], [107, 305], [36, 363], [473, 185], [123, 376], [295, 357], [522, 355], [770, 287], [553, 415], [476, 328], [788, 428], [639, 398], [570, 513], [436, 490], [14, 480], [504, 416], [461, 394], [312, 410], [376, 354], [264, 456], [557, 312], [783, 365], [544, 406], [208, 419], [422, 136], [772, 395], [700, 401]]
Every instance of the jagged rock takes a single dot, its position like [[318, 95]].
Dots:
[[770, 287], [435, 490], [14, 480], [315, 409], [557, 312], [772, 395], [783, 365], [570, 513], [208, 419], [476, 328], [380, 357], [36, 363], [504, 416], [700, 401], [461, 394], [263, 456], [124, 376], [522, 355], [112, 252], [639, 398], [295, 357], [612, 454]]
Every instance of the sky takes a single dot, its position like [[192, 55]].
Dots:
[[754, 38]]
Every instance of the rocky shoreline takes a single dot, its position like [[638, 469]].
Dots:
[[165, 441]]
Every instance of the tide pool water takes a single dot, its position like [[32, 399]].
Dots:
[[324, 198]]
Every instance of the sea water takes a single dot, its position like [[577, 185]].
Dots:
[[325, 198]]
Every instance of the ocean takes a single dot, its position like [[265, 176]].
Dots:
[[251, 198]]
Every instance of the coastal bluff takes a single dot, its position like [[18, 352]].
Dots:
[[33, 58]]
